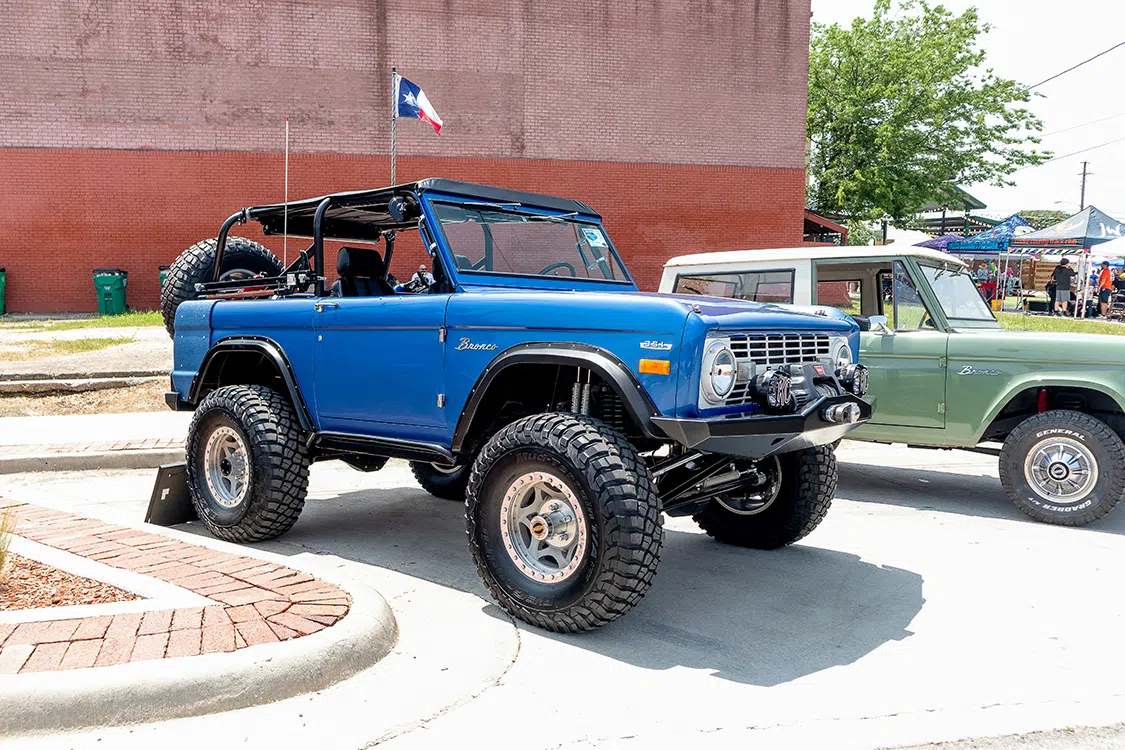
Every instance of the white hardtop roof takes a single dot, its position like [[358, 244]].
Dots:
[[813, 252]]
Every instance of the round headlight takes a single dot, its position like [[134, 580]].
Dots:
[[719, 372], [841, 354]]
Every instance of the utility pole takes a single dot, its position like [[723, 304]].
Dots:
[[1082, 198]]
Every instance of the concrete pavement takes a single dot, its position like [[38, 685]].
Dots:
[[148, 351], [925, 608], [92, 441]]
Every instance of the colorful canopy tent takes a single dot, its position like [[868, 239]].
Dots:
[[1076, 235], [938, 243], [1087, 228], [993, 240]]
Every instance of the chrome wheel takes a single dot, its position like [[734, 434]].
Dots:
[[226, 466], [757, 497], [1061, 469], [543, 527]]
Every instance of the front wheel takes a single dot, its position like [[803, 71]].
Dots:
[[1063, 467], [792, 498], [247, 468], [564, 522]]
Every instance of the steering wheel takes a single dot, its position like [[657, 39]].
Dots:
[[560, 264]]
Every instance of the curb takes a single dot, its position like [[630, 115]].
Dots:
[[76, 385], [134, 459], [82, 375], [143, 692]]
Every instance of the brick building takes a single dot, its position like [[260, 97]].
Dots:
[[130, 130]]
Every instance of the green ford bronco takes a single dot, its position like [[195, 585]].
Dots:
[[942, 374]]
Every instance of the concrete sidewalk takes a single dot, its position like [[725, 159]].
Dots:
[[148, 351], [92, 441]]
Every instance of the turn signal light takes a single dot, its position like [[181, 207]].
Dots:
[[655, 366]]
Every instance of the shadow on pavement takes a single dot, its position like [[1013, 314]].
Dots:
[[760, 618], [977, 495]]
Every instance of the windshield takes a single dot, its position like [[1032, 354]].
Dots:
[[958, 295], [489, 239]]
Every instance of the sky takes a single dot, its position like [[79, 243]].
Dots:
[[1032, 40]]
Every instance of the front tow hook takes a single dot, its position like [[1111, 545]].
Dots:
[[842, 414]]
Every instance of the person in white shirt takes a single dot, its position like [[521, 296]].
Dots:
[[422, 276]]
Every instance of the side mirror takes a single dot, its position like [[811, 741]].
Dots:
[[880, 326]]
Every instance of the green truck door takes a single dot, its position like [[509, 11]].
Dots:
[[907, 377]]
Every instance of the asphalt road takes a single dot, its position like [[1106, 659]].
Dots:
[[924, 609]]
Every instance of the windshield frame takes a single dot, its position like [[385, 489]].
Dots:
[[953, 321], [510, 279]]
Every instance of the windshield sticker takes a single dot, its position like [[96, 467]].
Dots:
[[594, 237]]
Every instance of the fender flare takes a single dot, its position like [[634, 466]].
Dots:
[[1032, 383], [268, 348], [611, 369]]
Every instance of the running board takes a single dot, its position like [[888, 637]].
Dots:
[[346, 442]]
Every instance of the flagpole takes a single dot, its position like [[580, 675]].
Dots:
[[394, 118], [285, 211]]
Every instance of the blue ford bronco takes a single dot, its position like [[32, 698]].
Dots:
[[530, 380]]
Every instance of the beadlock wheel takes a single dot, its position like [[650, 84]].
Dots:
[[226, 466], [543, 526]]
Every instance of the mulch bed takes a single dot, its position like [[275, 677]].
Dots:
[[27, 584]]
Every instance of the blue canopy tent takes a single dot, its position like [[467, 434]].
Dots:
[[990, 244], [938, 243]]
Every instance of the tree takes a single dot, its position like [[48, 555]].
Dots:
[[859, 233], [900, 112], [1044, 218]]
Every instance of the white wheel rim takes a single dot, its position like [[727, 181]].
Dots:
[[1061, 469], [543, 527], [226, 467]]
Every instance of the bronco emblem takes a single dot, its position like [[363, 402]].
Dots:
[[467, 344]]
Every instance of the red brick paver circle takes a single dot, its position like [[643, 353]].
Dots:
[[256, 601]]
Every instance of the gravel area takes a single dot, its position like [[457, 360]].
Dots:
[[27, 584], [145, 397]]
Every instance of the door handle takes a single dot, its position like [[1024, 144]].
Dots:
[[319, 306]]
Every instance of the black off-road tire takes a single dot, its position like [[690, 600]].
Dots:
[[279, 464], [1102, 442], [447, 485], [196, 265], [808, 484], [618, 498]]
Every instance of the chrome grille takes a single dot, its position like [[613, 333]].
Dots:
[[772, 350]]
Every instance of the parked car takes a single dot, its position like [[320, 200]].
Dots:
[[943, 374], [531, 381]]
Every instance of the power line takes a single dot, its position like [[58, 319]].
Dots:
[[1079, 65], [1075, 127], [1072, 153]]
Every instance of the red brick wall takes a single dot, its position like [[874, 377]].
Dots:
[[130, 130], [72, 211]]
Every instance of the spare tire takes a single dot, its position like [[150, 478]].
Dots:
[[242, 258]]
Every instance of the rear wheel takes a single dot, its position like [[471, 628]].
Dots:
[[247, 468], [242, 259], [448, 483], [791, 500], [1063, 467], [564, 522]]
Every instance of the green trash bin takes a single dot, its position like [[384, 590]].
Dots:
[[3, 281], [110, 283], [163, 275]]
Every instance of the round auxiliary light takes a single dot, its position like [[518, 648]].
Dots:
[[853, 378], [720, 372], [775, 388]]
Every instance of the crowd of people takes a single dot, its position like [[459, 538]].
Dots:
[[1104, 284]]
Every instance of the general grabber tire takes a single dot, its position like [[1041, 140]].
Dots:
[[808, 484], [550, 475], [1063, 467], [448, 484], [247, 468], [242, 258]]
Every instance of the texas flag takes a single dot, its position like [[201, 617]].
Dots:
[[412, 102]]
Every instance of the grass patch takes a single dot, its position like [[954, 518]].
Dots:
[[44, 349], [1054, 324], [7, 527], [131, 319]]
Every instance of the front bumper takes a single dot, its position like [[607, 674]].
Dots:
[[761, 436]]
